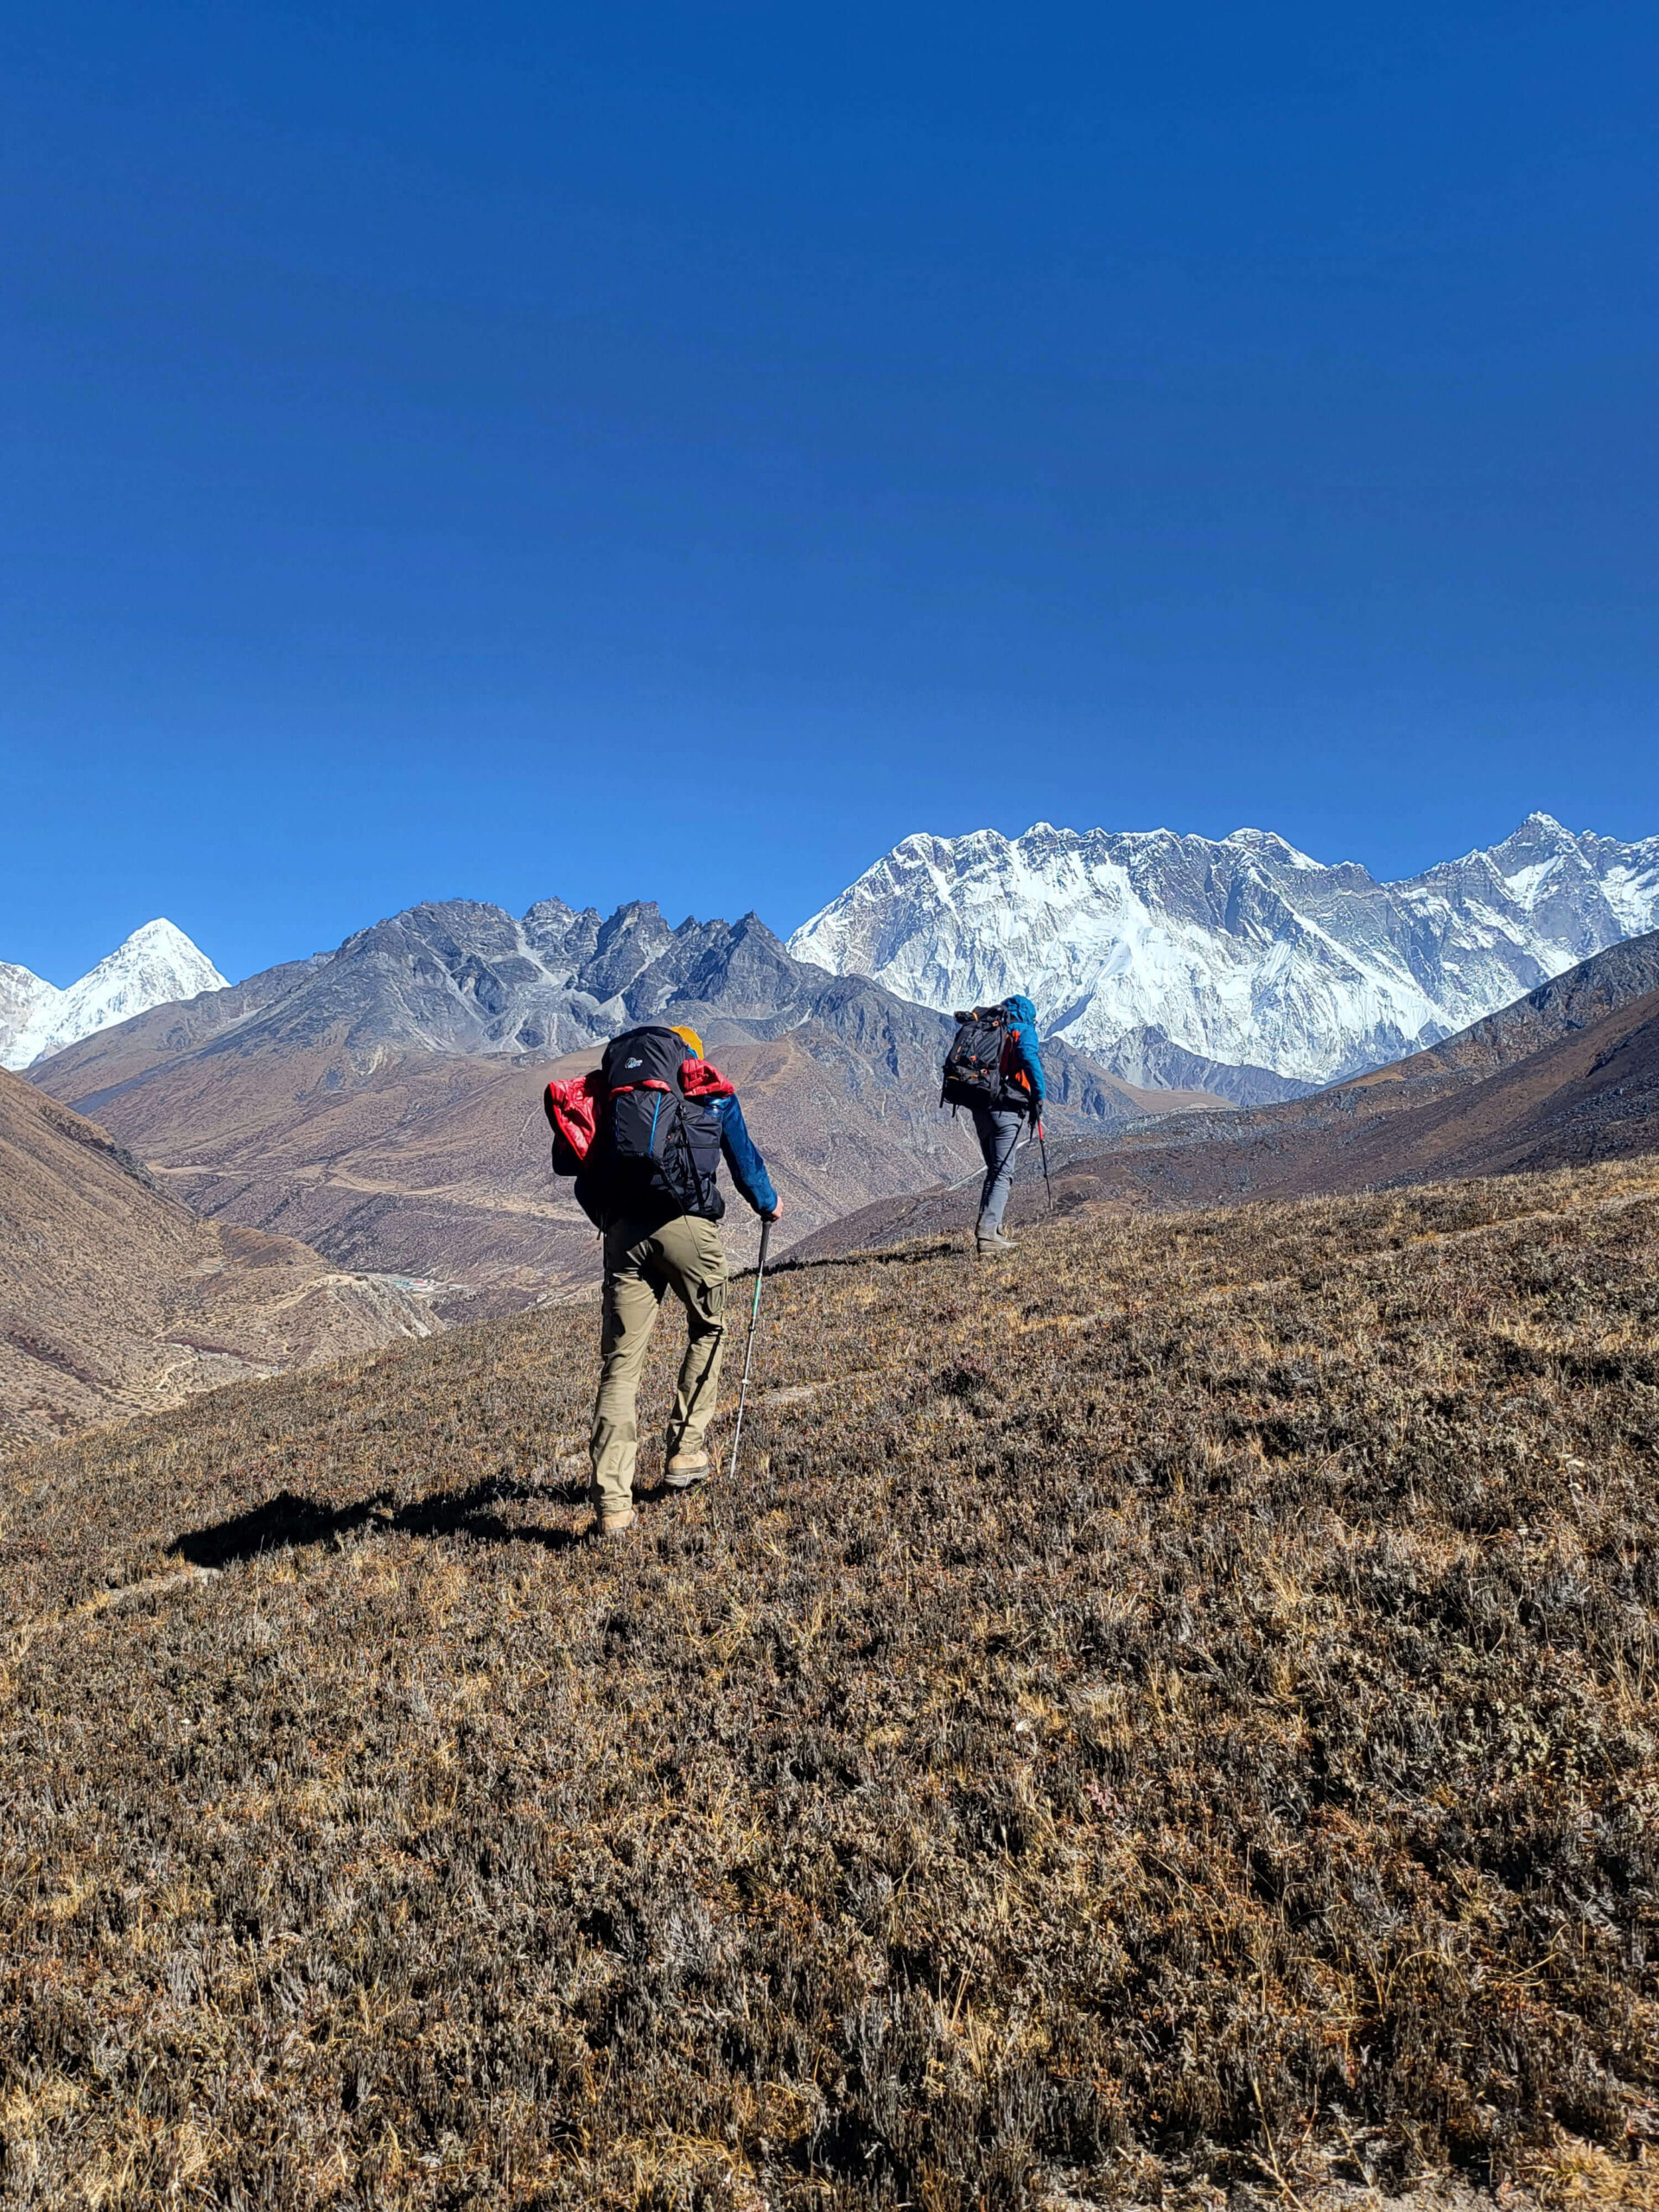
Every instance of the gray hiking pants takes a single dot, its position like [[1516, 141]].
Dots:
[[998, 1130]]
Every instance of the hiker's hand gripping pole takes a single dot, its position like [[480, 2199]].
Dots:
[[748, 1350]]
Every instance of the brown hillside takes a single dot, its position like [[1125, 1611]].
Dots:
[[1169, 1721], [113, 1297]]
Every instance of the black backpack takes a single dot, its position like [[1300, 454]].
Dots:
[[655, 1151], [973, 1066]]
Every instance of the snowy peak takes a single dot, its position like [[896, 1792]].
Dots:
[[24, 997], [1242, 951], [157, 965], [1267, 845]]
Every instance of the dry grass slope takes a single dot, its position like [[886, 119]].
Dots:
[[1174, 1714]]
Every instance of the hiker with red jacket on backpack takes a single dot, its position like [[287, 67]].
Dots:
[[645, 1135], [995, 1068]]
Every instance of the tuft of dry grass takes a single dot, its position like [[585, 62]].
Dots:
[[1168, 1716]]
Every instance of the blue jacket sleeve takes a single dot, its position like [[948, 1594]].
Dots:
[[748, 1170], [1028, 1056]]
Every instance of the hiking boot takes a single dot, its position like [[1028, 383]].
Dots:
[[992, 1247], [686, 1470], [614, 1524]]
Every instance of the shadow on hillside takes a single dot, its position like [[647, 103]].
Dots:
[[288, 1520]]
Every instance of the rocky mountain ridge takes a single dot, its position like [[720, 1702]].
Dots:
[[382, 1102], [461, 976], [1178, 958]]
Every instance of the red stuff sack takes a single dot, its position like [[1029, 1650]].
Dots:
[[572, 1109]]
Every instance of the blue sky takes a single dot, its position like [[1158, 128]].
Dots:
[[674, 452]]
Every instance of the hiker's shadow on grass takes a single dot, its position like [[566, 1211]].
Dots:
[[288, 1520]]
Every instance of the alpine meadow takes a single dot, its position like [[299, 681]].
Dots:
[[1170, 1724]]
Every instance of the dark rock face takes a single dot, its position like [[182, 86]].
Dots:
[[1573, 1001], [461, 976]]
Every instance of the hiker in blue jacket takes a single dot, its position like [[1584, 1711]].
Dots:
[[998, 1124]]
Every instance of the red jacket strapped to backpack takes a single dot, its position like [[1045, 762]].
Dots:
[[573, 1107]]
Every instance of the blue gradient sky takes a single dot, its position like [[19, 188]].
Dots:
[[677, 451]]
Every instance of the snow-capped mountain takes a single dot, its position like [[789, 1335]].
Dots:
[[156, 966], [1147, 950], [22, 996]]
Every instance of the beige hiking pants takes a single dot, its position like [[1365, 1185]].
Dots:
[[684, 1255]]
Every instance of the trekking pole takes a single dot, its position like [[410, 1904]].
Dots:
[[1043, 1145], [749, 1352]]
